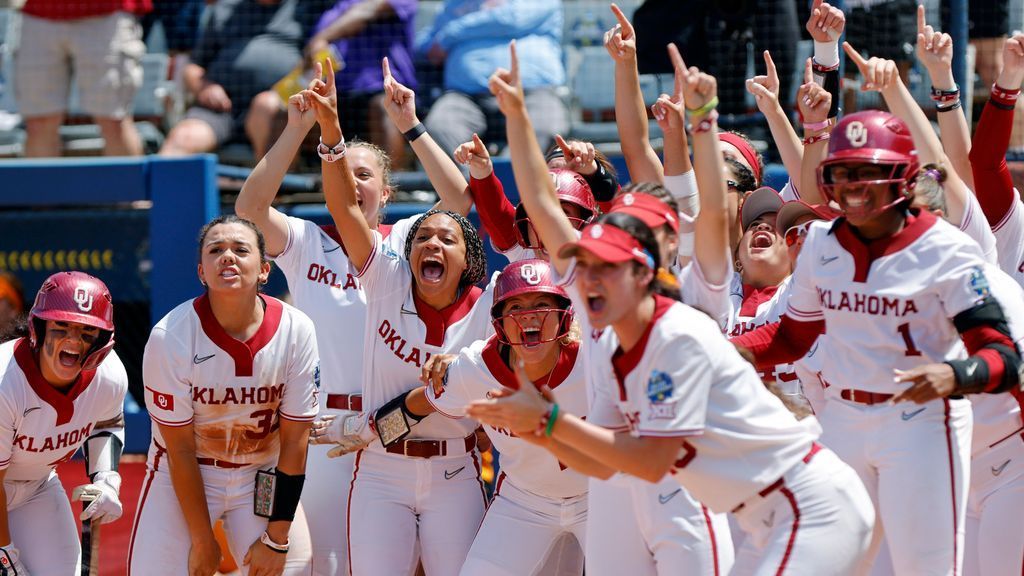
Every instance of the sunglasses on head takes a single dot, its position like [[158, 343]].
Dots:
[[797, 232]]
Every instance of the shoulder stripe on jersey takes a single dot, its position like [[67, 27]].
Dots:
[[671, 433], [797, 314], [369, 259], [170, 423], [1014, 206], [429, 395], [243, 353], [296, 418]]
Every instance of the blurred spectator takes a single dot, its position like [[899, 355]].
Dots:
[[101, 41], [363, 32], [244, 47], [180, 22], [470, 37], [12, 304]]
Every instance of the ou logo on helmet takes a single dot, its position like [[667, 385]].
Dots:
[[84, 299], [856, 134], [530, 274]]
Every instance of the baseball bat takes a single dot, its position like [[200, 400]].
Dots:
[[90, 544]]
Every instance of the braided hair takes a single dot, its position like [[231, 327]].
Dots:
[[476, 260]]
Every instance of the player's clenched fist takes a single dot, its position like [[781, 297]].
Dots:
[[105, 506], [1013, 63], [507, 87], [813, 100], [620, 41], [473, 154], [435, 372]]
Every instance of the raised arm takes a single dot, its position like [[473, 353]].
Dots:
[[765, 90], [882, 75], [536, 189], [497, 214], [814, 102], [630, 110], [668, 112], [339, 183], [255, 201], [935, 51], [451, 186]]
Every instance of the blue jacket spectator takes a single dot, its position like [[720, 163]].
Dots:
[[470, 38]]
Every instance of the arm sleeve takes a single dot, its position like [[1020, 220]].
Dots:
[[677, 397], [514, 18], [992, 177], [168, 389], [299, 401], [782, 342], [497, 214]]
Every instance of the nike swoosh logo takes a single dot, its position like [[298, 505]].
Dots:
[[970, 369], [27, 410], [828, 260], [664, 498], [908, 415], [999, 470], [402, 310], [197, 360], [770, 520], [329, 250], [449, 475]]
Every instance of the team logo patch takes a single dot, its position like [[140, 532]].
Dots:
[[84, 299], [659, 390], [627, 199], [163, 401], [978, 283], [389, 252], [530, 274], [596, 231], [856, 134]]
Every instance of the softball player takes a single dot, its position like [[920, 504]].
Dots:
[[422, 491], [61, 388], [323, 283], [897, 290], [231, 386]]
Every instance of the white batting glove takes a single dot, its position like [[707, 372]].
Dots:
[[106, 506], [356, 435], [10, 564], [330, 428]]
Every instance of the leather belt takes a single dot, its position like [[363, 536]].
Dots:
[[815, 448], [219, 463], [432, 448], [862, 397], [353, 402]]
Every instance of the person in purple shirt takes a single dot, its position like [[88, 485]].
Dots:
[[363, 32]]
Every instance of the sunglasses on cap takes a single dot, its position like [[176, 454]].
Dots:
[[797, 232]]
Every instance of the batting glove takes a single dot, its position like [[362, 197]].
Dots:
[[103, 492], [10, 565], [356, 435], [330, 429]]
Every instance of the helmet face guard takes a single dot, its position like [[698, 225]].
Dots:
[[532, 276], [75, 297], [521, 319]]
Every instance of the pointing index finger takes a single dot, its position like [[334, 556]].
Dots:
[[808, 72], [852, 53], [627, 28], [769, 65], [387, 68], [921, 23], [679, 65], [515, 61]]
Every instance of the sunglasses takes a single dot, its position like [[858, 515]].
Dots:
[[797, 232]]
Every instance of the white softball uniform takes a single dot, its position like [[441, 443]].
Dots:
[[323, 284], [741, 450], [888, 306], [233, 394], [40, 428], [426, 488], [1009, 233], [537, 499]]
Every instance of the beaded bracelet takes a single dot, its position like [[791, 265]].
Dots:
[[706, 123]]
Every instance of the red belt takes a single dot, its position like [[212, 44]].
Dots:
[[353, 402], [431, 448], [815, 448], [862, 397], [219, 463]]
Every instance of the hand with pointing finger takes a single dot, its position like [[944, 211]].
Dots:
[[519, 412], [399, 100], [580, 157], [699, 88], [927, 382], [765, 89], [879, 74], [813, 100], [934, 50], [507, 87], [620, 41], [826, 23], [669, 111], [323, 95]]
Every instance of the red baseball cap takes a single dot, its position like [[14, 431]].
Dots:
[[649, 209], [793, 211], [762, 201], [610, 244]]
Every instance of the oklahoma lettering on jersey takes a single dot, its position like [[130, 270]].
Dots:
[[41, 427], [684, 379], [891, 302], [403, 332], [232, 392], [324, 285], [479, 369]]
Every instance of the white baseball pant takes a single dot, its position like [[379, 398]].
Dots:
[[914, 460], [995, 541], [325, 502], [398, 501], [43, 527], [160, 541], [535, 524], [642, 529]]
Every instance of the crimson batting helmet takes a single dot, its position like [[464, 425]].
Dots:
[[571, 188], [75, 297], [872, 137], [532, 276]]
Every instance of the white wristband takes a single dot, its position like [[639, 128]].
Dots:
[[266, 540], [683, 187], [826, 54], [331, 154]]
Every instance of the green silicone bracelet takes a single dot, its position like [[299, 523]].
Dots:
[[551, 420]]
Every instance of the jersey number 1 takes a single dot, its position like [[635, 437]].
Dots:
[[908, 340]]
